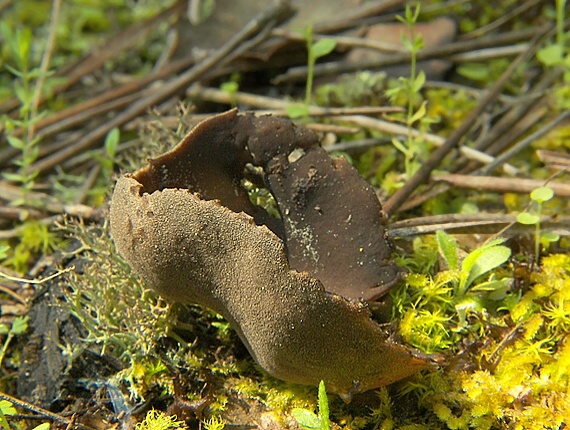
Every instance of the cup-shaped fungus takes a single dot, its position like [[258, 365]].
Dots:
[[295, 287]]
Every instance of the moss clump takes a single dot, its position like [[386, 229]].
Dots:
[[512, 365], [156, 420], [34, 239]]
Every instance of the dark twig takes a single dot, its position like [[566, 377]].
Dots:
[[481, 223], [423, 174]]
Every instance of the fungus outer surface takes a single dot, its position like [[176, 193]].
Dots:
[[188, 228]]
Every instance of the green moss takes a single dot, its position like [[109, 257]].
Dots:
[[452, 107], [360, 89], [156, 420], [518, 378], [34, 239]]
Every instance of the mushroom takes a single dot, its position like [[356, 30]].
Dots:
[[294, 288]]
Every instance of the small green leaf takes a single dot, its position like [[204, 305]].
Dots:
[[419, 114], [407, 43], [297, 111], [448, 249], [470, 260], [550, 55], [20, 325], [43, 426], [527, 219], [419, 81], [112, 141], [467, 304], [24, 95], [496, 289], [474, 71], [7, 408], [487, 260], [323, 407], [542, 194], [418, 42], [14, 71], [13, 177], [230, 87], [24, 38], [16, 142], [401, 147], [550, 236], [306, 418], [323, 47]]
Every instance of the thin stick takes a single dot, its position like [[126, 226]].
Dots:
[[423, 174], [35, 281], [469, 223], [502, 185]]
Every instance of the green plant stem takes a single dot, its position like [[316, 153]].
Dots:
[[44, 67], [311, 66], [9, 337], [412, 80], [560, 4], [537, 235]]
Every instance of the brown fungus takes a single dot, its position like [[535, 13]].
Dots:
[[186, 225]]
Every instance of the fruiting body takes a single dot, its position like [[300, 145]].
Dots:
[[194, 249]]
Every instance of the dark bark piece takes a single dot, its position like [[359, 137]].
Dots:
[[48, 376]]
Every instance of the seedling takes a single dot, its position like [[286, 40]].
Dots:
[[315, 51], [558, 55], [19, 326], [309, 419], [554, 54], [410, 89], [485, 258], [538, 196], [106, 160], [19, 44], [4, 252], [231, 87]]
